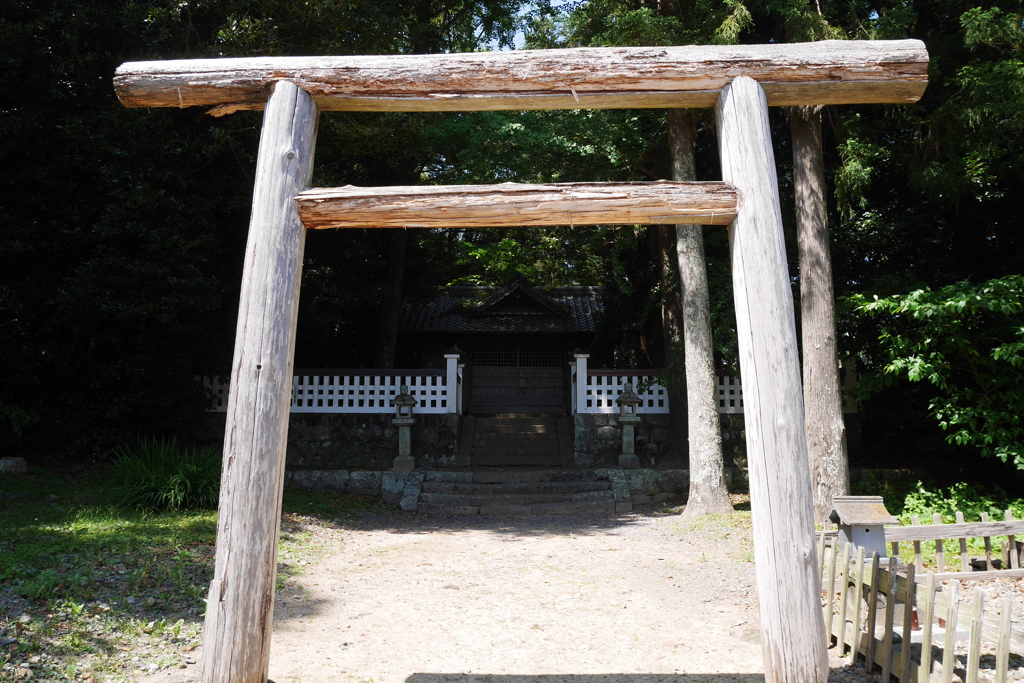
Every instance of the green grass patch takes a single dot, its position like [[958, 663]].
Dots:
[[91, 586], [84, 582]]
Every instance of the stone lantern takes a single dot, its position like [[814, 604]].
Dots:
[[628, 418], [403, 419]]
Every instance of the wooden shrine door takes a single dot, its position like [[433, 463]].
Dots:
[[517, 375]]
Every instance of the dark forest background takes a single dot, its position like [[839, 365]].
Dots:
[[123, 230]]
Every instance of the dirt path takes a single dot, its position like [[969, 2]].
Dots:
[[638, 598], [450, 599]]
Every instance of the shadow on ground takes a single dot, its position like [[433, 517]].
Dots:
[[585, 678], [540, 525], [842, 674]]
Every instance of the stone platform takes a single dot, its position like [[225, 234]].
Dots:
[[513, 491]]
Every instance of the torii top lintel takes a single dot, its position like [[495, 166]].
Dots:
[[825, 72]]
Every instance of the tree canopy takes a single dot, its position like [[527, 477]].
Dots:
[[124, 229]]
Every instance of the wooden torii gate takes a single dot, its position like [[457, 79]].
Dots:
[[739, 81]]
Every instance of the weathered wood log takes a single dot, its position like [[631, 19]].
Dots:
[[926, 619], [931, 532], [949, 641], [792, 628], [240, 606], [974, 639], [825, 72], [908, 625], [858, 591], [869, 655], [512, 204], [1003, 645], [982, 575]]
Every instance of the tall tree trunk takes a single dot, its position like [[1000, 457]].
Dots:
[[823, 410], [708, 493], [387, 333], [672, 328]]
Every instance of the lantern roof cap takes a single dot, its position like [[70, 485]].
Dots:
[[404, 398], [628, 396]]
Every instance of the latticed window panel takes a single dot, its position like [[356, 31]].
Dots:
[[512, 353]]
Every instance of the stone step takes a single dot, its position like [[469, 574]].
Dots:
[[491, 500], [532, 476], [520, 460], [518, 421], [466, 488], [553, 487], [522, 491], [525, 429], [514, 449], [487, 437], [557, 508]]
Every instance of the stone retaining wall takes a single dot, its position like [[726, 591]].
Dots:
[[403, 488], [339, 441], [370, 442], [597, 439], [637, 486]]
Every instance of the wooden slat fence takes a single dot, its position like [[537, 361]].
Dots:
[[1005, 564], [871, 611]]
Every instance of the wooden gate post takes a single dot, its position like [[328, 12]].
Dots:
[[240, 606], [788, 585]]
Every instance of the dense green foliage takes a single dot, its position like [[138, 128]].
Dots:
[[965, 340], [971, 500], [907, 499], [156, 474], [124, 228]]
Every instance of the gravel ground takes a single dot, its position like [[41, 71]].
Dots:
[[430, 599]]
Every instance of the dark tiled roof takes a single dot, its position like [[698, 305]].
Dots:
[[514, 294], [574, 309]]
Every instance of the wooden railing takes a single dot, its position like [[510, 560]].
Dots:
[[893, 614], [1006, 564]]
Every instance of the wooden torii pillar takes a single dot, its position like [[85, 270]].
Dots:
[[740, 81]]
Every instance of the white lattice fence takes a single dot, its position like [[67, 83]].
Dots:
[[357, 391], [604, 386], [598, 392], [369, 393], [730, 394]]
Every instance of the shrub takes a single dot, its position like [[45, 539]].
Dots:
[[156, 474], [970, 499]]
